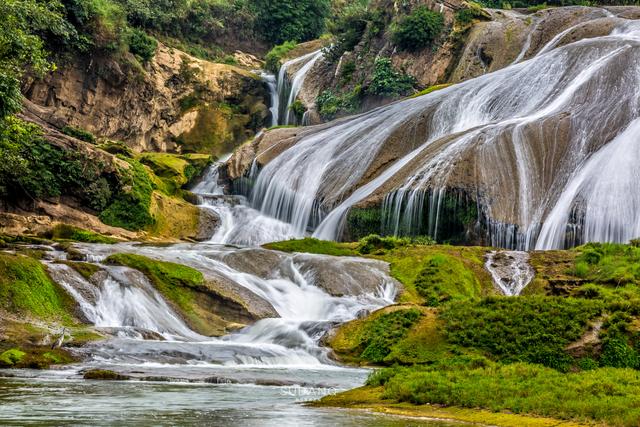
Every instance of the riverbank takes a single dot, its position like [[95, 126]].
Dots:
[[564, 352]]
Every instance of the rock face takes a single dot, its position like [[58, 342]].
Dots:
[[170, 101]]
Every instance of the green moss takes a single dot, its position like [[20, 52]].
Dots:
[[69, 232], [130, 206], [80, 134], [273, 59], [315, 246], [104, 375], [11, 357], [175, 171], [116, 147], [446, 278], [85, 269], [26, 289], [430, 89]]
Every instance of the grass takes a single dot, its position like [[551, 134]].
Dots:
[[445, 278], [430, 89], [530, 329], [314, 246], [68, 232], [605, 395]]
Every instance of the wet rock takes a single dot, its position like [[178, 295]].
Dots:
[[104, 375], [208, 223]]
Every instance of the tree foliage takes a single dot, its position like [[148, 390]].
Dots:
[[284, 20]]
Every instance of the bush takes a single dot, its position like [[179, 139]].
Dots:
[[618, 354], [284, 20], [130, 206], [381, 334], [374, 242], [418, 29], [329, 104], [298, 109], [80, 134], [389, 82], [275, 55], [141, 45], [528, 329], [444, 278]]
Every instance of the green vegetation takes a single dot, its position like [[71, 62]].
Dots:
[[27, 290], [11, 357], [329, 104], [298, 20], [273, 60], [532, 329], [175, 171], [418, 29], [80, 134], [361, 222], [603, 395], [609, 263], [68, 232], [85, 269], [298, 109], [314, 246], [445, 278], [104, 375], [141, 45], [130, 206], [389, 82], [430, 89]]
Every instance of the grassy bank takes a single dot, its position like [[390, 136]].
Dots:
[[567, 352]]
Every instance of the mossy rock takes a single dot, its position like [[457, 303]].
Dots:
[[104, 375], [75, 234], [27, 290], [11, 357]]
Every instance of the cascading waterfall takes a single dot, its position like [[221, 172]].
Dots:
[[512, 138], [288, 88], [510, 271], [272, 84], [124, 301]]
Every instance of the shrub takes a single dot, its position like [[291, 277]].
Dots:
[[298, 109], [381, 334], [275, 55], [389, 82], [529, 329], [329, 104], [141, 45], [616, 352], [418, 29], [374, 242], [468, 15], [130, 206], [80, 134], [284, 20]]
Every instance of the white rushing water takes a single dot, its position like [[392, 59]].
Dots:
[[527, 129], [272, 84], [288, 87], [122, 301], [510, 270]]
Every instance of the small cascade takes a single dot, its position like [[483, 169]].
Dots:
[[510, 270], [125, 301], [288, 87], [272, 84], [238, 223], [122, 302]]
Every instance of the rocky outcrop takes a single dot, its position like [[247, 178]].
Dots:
[[157, 107]]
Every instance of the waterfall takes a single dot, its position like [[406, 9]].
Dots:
[[288, 88], [513, 138], [510, 271], [603, 194], [272, 84], [124, 303]]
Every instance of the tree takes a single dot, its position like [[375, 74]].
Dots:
[[285, 20], [21, 47]]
